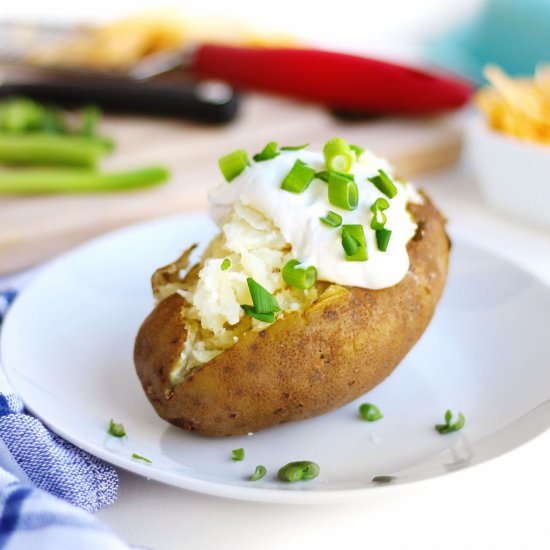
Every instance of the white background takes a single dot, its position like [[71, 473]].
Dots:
[[353, 24], [504, 504]]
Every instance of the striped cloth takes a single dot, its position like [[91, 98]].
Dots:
[[47, 485]]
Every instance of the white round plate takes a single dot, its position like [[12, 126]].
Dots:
[[67, 348]]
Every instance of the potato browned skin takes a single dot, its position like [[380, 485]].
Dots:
[[304, 364]]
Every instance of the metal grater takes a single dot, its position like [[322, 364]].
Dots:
[[18, 42]]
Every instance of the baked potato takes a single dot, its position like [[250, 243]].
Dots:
[[327, 346]]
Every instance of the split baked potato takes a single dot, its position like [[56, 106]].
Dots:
[[341, 342]]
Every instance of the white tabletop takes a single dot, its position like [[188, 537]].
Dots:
[[499, 504]]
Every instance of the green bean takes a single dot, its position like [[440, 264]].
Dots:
[[298, 471], [74, 180], [51, 149]]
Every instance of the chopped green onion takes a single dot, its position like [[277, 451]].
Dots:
[[380, 204], [449, 426], [269, 152], [342, 192], [384, 184], [332, 219], [237, 454], [378, 220], [116, 429], [135, 456], [298, 471], [338, 155], [299, 178], [251, 312], [259, 472], [325, 174], [264, 302], [300, 277], [351, 244], [357, 150], [370, 412], [354, 244], [294, 147], [233, 164], [383, 479], [383, 238], [226, 264]]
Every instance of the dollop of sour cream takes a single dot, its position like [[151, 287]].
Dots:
[[314, 243]]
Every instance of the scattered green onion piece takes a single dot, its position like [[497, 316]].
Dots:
[[357, 150], [269, 152], [135, 456], [332, 219], [300, 277], [384, 184], [259, 472], [226, 264], [378, 220], [299, 178], [370, 412], [78, 180], [351, 244], [449, 426], [338, 155], [325, 174], [342, 192], [116, 429], [265, 305], [294, 147], [264, 301], [237, 454], [233, 164], [380, 204], [251, 312], [383, 238], [354, 244], [383, 479], [298, 471]]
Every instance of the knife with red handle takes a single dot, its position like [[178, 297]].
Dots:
[[338, 80]]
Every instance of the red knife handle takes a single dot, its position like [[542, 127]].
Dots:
[[339, 80]]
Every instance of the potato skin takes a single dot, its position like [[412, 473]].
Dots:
[[304, 364]]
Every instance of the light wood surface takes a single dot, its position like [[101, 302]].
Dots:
[[33, 229]]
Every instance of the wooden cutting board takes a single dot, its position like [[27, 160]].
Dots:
[[33, 229]]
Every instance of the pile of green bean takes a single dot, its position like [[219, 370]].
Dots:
[[48, 153]]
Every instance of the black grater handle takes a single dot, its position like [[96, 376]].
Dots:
[[207, 101]]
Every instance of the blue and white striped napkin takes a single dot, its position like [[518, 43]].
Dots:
[[47, 485]]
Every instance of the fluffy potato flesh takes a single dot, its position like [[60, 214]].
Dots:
[[325, 350]]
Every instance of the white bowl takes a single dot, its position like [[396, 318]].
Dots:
[[513, 174]]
